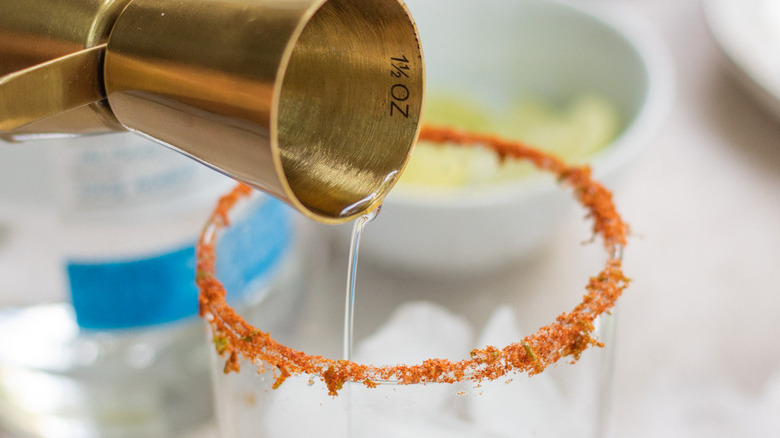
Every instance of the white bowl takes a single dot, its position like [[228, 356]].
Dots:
[[496, 49]]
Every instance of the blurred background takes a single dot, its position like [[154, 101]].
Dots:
[[695, 352]]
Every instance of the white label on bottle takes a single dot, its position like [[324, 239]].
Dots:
[[124, 171]]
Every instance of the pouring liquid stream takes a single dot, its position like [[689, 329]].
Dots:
[[349, 306]]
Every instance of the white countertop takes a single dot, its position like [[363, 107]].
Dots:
[[695, 348]]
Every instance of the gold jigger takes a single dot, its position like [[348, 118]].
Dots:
[[316, 102]]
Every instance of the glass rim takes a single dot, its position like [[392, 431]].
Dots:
[[569, 335]]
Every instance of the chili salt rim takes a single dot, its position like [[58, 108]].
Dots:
[[569, 335]]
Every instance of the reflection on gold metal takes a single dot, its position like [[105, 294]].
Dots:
[[314, 101], [43, 90], [52, 32]]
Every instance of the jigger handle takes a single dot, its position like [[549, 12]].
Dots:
[[51, 88]]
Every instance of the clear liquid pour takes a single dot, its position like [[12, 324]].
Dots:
[[349, 309]]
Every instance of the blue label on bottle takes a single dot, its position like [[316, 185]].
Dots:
[[161, 288]]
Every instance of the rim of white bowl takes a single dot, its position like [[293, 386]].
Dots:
[[748, 53], [634, 138]]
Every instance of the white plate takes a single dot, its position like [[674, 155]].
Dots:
[[748, 32]]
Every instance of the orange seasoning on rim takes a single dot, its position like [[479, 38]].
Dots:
[[568, 336]]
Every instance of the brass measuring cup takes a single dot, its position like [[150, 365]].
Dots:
[[316, 102]]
